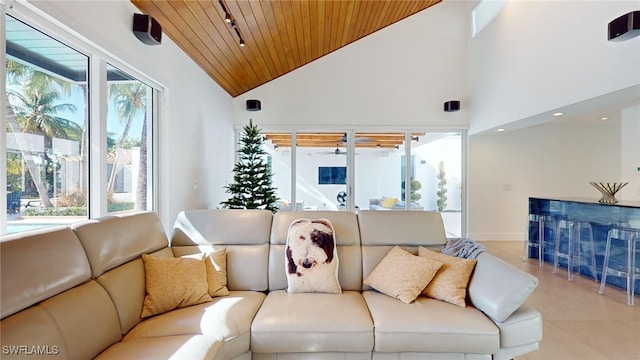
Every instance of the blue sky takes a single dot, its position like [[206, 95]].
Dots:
[[113, 124]]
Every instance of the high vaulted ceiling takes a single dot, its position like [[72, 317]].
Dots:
[[280, 36]]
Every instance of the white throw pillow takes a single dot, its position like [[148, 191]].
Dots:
[[311, 257]]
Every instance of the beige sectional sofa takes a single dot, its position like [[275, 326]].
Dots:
[[77, 293]]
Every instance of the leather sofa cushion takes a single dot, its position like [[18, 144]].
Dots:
[[86, 318], [32, 327], [174, 347], [221, 227], [430, 325], [523, 327], [305, 322], [314, 356], [499, 299], [409, 228], [114, 240], [226, 318], [39, 264]]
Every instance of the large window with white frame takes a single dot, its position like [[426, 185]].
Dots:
[[70, 155]]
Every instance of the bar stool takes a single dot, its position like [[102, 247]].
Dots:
[[630, 271], [540, 244], [575, 247]]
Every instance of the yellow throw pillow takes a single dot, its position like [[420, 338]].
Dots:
[[216, 263], [173, 283], [402, 275], [450, 283], [388, 202]]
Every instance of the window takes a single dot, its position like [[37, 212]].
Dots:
[[52, 173]]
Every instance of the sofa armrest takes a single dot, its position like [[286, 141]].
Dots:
[[498, 288]]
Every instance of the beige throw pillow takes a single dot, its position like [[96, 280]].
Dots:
[[450, 283], [402, 275], [216, 263], [173, 283]]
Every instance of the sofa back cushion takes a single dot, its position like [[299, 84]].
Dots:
[[36, 265], [244, 234], [380, 231], [78, 323], [111, 241], [347, 238]]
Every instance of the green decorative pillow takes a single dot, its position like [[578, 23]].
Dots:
[[450, 283], [173, 283], [402, 275]]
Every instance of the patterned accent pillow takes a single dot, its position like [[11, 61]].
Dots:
[[173, 283], [402, 275], [450, 283], [311, 257]]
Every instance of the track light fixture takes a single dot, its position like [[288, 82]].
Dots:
[[229, 19]]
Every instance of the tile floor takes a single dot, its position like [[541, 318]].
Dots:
[[578, 322]]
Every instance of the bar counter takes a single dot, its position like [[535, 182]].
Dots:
[[602, 218]]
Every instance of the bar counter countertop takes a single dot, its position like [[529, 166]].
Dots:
[[602, 218]]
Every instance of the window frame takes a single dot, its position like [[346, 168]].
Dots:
[[98, 59]]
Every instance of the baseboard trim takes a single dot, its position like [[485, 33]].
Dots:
[[497, 236]]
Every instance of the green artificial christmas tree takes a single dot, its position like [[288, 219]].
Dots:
[[251, 187]]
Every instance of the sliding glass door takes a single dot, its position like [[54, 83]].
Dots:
[[371, 170]]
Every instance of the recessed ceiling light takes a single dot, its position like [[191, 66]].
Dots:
[[500, 130], [604, 118], [558, 114]]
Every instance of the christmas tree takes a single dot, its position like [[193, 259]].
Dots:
[[251, 187]]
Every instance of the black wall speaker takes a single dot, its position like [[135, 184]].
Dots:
[[254, 105], [625, 27], [453, 105], [147, 29]]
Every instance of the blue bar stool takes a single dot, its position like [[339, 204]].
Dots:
[[575, 247], [540, 244], [630, 238]]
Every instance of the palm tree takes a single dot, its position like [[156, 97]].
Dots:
[[129, 99], [40, 91]]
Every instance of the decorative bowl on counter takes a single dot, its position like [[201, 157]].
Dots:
[[608, 191]]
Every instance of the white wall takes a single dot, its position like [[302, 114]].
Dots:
[[537, 56], [400, 75], [630, 154], [195, 131], [550, 160]]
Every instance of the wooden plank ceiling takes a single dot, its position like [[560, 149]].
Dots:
[[280, 36], [339, 140]]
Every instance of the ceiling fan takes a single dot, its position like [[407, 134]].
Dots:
[[337, 151]]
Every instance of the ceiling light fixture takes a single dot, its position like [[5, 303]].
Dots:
[[604, 118], [229, 19], [500, 130], [558, 114]]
